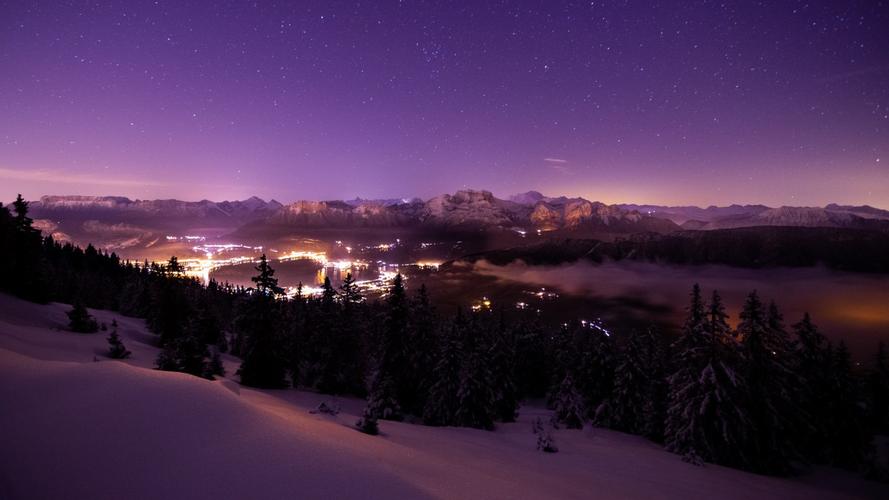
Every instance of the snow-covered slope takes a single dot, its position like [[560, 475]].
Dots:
[[75, 424]]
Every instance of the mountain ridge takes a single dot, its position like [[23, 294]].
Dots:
[[467, 209]]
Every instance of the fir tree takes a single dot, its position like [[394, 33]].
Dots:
[[173, 267], [846, 437], [545, 441], [206, 326], [22, 222], [421, 353], [381, 401], [116, 349], [266, 283], [878, 388], [215, 366], [502, 356], [813, 366], [349, 293], [338, 349], [80, 319], [390, 384], [264, 364], [442, 402], [638, 403], [705, 417], [568, 404], [368, 424], [767, 352], [186, 354], [475, 397]]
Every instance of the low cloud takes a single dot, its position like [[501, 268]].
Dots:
[[62, 177]]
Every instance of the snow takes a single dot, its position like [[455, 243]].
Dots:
[[74, 428]]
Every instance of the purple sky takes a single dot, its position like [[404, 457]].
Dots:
[[663, 102]]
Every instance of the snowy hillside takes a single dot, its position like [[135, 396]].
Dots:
[[75, 424]]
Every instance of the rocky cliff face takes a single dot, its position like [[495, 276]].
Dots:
[[200, 209]]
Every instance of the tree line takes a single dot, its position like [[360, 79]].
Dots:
[[762, 396]]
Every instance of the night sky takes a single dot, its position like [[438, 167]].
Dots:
[[659, 102]]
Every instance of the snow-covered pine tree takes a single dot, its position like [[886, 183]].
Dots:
[[638, 401], [441, 403], [771, 385], [567, 404], [393, 372], [475, 397], [846, 435], [336, 346], [264, 363], [116, 349], [594, 369], [502, 357], [813, 366], [368, 424], [705, 415], [545, 441], [421, 353], [80, 320], [382, 402], [215, 366], [878, 391]]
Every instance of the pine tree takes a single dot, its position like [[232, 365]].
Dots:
[[442, 402], [502, 356], [475, 397], [206, 326], [215, 366], [772, 386], [813, 366], [266, 283], [264, 359], [349, 293], [545, 441], [381, 401], [705, 419], [264, 363], [568, 404], [846, 436], [116, 349], [185, 354], [421, 353], [368, 424], [390, 385], [80, 320], [594, 366], [173, 267], [22, 222], [638, 403], [337, 351], [878, 388]]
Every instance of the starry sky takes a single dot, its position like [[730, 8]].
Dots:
[[670, 102]]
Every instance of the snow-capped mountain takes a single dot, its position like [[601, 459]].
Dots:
[[203, 208], [734, 216], [467, 209], [463, 210]]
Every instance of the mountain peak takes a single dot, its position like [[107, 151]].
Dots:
[[527, 198]]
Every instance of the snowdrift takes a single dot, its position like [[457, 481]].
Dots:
[[74, 424]]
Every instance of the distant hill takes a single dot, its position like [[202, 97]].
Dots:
[[752, 247]]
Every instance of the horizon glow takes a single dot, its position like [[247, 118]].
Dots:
[[679, 103]]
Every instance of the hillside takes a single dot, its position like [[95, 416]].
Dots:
[[123, 430], [749, 247]]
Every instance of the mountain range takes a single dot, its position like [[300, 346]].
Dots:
[[130, 222]]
